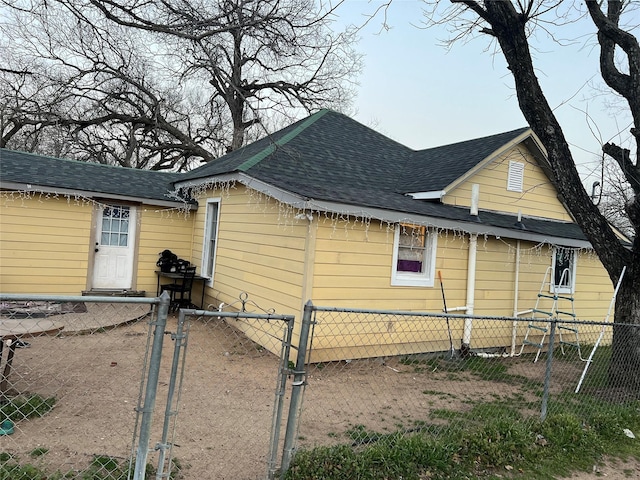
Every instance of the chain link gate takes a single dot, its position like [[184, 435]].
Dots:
[[220, 395]]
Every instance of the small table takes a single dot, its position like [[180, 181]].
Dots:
[[16, 329], [179, 276]]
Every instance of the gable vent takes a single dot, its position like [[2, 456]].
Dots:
[[515, 180]]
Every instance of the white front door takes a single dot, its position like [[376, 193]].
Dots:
[[114, 247]]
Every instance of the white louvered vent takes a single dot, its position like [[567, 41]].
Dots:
[[516, 176]]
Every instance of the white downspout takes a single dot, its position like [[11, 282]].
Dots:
[[515, 300], [471, 271], [471, 288]]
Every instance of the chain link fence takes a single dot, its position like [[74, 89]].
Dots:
[[236, 394], [376, 374], [106, 389], [70, 383]]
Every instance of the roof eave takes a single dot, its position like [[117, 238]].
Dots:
[[525, 137], [471, 227], [27, 187]]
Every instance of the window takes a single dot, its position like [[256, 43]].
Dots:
[[210, 238], [564, 270], [115, 226], [414, 254], [515, 181]]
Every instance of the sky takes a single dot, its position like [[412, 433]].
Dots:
[[423, 95]]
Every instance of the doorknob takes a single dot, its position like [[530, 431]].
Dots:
[[96, 249]]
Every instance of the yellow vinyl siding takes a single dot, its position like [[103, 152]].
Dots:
[[495, 277], [158, 230], [44, 245], [260, 250], [538, 197], [353, 269]]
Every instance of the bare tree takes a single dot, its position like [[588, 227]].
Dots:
[[612, 194], [155, 84], [71, 83], [511, 24]]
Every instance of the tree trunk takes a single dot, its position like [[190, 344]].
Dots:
[[624, 369], [508, 26]]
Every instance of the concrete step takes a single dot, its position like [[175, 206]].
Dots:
[[107, 292]]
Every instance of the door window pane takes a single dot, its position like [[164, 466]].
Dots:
[[115, 226]]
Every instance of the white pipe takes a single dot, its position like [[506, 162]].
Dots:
[[456, 309], [471, 287], [475, 197], [516, 289]]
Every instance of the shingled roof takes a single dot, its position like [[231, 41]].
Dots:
[[326, 157], [332, 158], [90, 179], [437, 168]]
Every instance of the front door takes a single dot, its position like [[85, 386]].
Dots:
[[114, 247]]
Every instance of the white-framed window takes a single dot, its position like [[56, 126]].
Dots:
[[564, 270], [515, 179], [414, 256], [210, 238]]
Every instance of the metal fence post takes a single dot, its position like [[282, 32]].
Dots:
[[179, 348], [547, 372], [279, 401], [151, 387], [297, 388]]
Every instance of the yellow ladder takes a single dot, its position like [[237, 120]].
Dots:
[[540, 326]]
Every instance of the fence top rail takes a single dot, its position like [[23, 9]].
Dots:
[[451, 316], [254, 316], [25, 297]]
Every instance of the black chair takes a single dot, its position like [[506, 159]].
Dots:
[[180, 292]]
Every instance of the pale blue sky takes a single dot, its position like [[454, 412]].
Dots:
[[418, 93]]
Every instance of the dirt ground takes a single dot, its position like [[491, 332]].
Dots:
[[223, 405]]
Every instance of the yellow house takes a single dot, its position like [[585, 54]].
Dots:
[[325, 210]]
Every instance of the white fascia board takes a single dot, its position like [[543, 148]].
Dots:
[[277, 193], [435, 195], [28, 187], [523, 137], [304, 203], [467, 227]]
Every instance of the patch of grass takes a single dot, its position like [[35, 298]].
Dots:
[[102, 467], [491, 440], [38, 452], [21, 408]]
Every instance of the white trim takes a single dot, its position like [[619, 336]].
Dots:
[[435, 195], [524, 137], [418, 279], [572, 272], [441, 223], [206, 240], [390, 216], [27, 187]]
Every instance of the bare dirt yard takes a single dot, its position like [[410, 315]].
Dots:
[[221, 419]]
